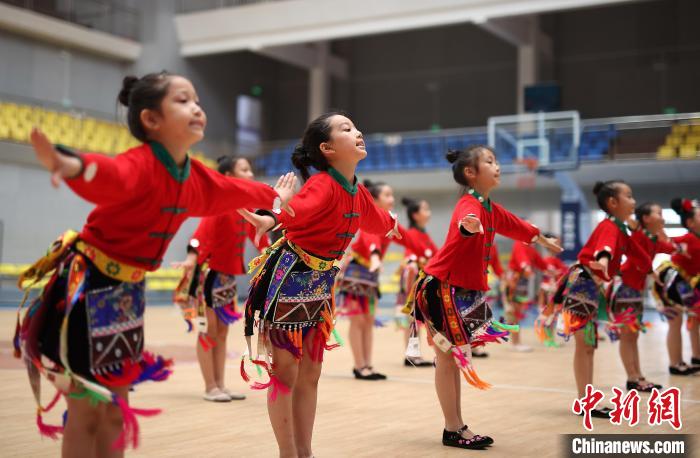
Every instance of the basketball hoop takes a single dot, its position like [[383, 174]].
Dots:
[[528, 178]]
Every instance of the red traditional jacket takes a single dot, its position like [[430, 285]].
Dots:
[[610, 236], [329, 211], [424, 247], [639, 261], [463, 259], [142, 198], [525, 258], [220, 241], [690, 261]]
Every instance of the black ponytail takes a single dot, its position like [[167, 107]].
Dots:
[[138, 94], [685, 208], [374, 187], [308, 153], [643, 210], [412, 207], [604, 190], [461, 159]]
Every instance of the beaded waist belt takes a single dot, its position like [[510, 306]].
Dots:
[[112, 268]]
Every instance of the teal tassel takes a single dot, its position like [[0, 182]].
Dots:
[[92, 396], [336, 336], [589, 336], [549, 340], [505, 327]]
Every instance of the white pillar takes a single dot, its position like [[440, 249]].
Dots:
[[527, 72], [319, 82]]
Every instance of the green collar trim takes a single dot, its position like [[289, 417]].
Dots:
[[622, 226], [350, 188], [486, 203], [180, 175], [651, 236]]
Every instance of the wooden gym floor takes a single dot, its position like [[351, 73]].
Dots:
[[526, 411]]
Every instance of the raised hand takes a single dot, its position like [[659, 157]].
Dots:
[[286, 188], [262, 223], [601, 265], [188, 264], [374, 263], [472, 224], [59, 165], [394, 232], [550, 243]]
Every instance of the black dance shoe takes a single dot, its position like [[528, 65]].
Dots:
[[642, 386], [455, 439], [417, 362], [683, 369]]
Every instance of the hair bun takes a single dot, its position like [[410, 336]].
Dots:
[[452, 156], [127, 85], [677, 205], [367, 183], [300, 156], [221, 159], [597, 187], [407, 201]]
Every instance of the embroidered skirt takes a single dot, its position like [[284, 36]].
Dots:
[[358, 290], [289, 298]]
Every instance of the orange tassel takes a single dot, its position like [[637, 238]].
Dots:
[[539, 330], [298, 340], [482, 385], [565, 323]]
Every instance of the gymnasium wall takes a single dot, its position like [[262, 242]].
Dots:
[[628, 59], [633, 58], [39, 71]]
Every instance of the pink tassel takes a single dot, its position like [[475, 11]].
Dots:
[[130, 425], [47, 430], [261, 386], [627, 317], [459, 357], [277, 387]]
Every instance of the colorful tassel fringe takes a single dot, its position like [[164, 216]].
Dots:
[[468, 370], [150, 368], [130, 424], [276, 387], [227, 314], [206, 342], [45, 430]]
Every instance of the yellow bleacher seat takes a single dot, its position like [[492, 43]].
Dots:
[[692, 139], [695, 128], [666, 152], [70, 128], [688, 152], [680, 129], [19, 133], [674, 140]]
